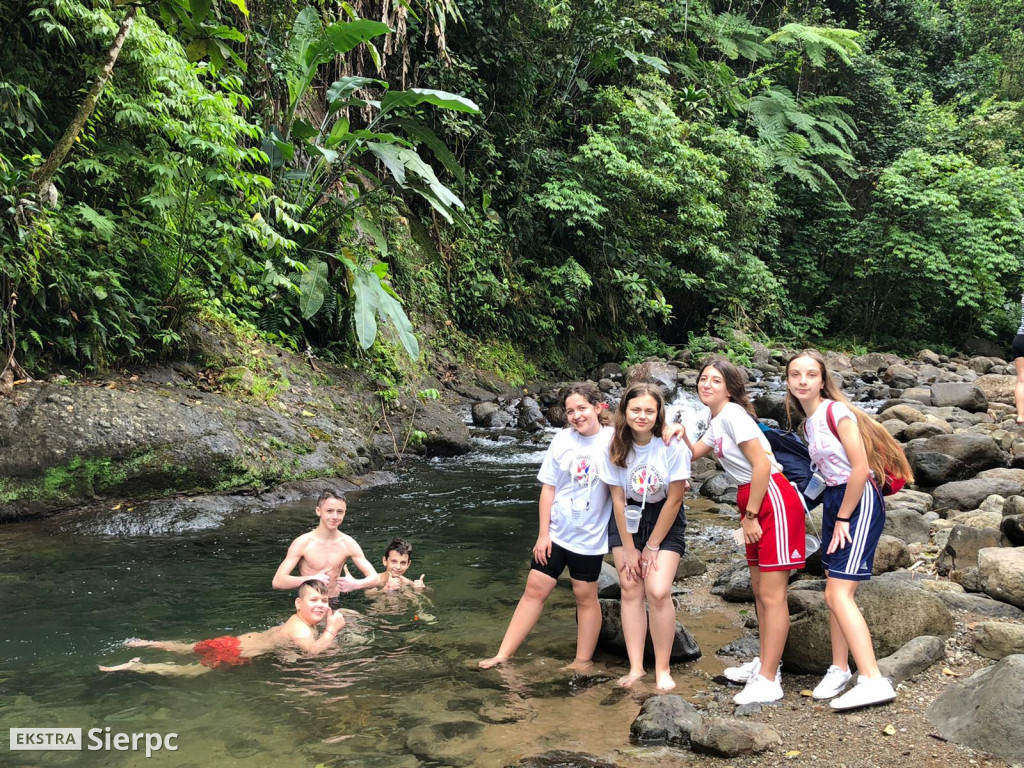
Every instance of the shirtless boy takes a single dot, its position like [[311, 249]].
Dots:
[[311, 609], [397, 559], [321, 554]]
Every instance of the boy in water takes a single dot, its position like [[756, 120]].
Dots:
[[321, 554], [311, 609], [397, 560]]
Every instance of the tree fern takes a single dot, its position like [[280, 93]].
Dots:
[[817, 42]]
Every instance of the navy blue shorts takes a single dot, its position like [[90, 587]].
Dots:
[[581, 567], [674, 541], [854, 561]]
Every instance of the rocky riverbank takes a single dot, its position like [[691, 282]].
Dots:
[[949, 584]]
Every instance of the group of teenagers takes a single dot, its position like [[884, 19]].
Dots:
[[603, 465]]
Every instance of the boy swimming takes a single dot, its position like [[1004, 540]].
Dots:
[[311, 610]]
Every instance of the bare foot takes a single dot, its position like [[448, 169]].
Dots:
[[627, 680], [492, 662], [665, 681], [580, 665], [135, 642], [1020, 419], [122, 667]]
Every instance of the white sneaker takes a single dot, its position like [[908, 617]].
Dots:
[[743, 672], [760, 690], [832, 684], [865, 693]]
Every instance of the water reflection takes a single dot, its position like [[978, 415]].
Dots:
[[402, 688]]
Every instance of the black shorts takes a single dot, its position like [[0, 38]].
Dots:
[[581, 567], [1017, 348], [674, 541]]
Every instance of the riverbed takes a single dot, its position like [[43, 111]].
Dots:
[[401, 690]]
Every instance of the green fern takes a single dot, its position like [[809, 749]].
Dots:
[[817, 42]]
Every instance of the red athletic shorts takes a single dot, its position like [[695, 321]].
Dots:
[[220, 650], [781, 517]]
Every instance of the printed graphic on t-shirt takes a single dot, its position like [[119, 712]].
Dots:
[[718, 447], [645, 477], [582, 470]]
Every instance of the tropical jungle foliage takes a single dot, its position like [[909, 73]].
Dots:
[[578, 178]]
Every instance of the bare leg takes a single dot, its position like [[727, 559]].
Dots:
[[130, 664], [839, 598], [538, 587], [663, 616], [773, 614], [634, 622], [1018, 390], [165, 669], [588, 624], [172, 646]]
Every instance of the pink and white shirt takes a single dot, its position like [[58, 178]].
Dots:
[[728, 429], [828, 457]]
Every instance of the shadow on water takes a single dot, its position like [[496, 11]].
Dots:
[[402, 689]]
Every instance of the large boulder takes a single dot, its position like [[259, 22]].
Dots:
[[809, 648], [900, 376], [771, 405], [962, 546], [727, 737], [984, 711], [890, 555], [660, 373], [981, 605], [913, 658], [907, 526], [1001, 572], [611, 639], [733, 585], [1012, 527], [969, 494], [488, 414], [719, 487], [997, 387], [932, 468], [874, 362], [959, 395], [665, 719], [977, 452], [998, 639]]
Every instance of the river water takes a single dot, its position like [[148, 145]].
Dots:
[[401, 690]]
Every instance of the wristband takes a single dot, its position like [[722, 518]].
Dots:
[[844, 519], [750, 515], [653, 549], [330, 632]]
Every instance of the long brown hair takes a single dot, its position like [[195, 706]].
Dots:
[[883, 452], [735, 382], [622, 440], [588, 391]]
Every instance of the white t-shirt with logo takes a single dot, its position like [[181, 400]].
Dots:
[[728, 429], [650, 468], [828, 457], [582, 506]]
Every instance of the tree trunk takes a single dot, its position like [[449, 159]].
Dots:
[[45, 173]]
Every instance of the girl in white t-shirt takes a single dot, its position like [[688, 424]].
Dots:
[[849, 450], [772, 520], [574, 512], [644, 473]]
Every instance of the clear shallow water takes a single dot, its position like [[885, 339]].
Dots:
[[403, 688]]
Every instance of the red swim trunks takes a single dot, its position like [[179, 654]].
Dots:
[[220, 650]]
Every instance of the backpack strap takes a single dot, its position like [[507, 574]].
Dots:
[[832, 420]]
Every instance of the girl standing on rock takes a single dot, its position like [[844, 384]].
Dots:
[[1017, 349], [850, 451], [574, 512], [649, 478], [771, 522]]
